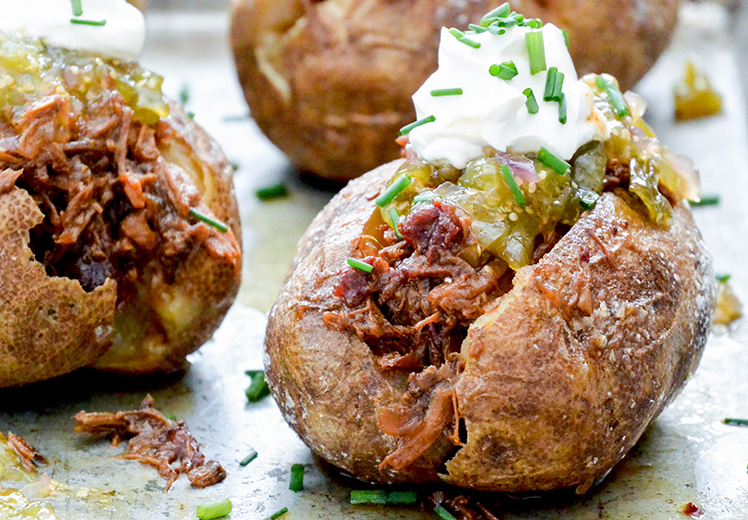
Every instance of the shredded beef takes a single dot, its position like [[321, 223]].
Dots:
[[156, 441]]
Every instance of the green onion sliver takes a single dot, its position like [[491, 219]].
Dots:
[[77, 7], [389, 498], [558, 87], [711, 200], [477, 29], [554, 162], [534, 23], [361, 266], [297, 478], [735, 422], [614, 95], [258, 386], [723, 278], [536, 51], [407, 128], [393, 190], [550, 84], [588, 199], [220, 226], [446, 92], [426, 196], [278, 514], [443, 513], [249, 458], [462, 38], [562, 110], [395, 219], [531, 103], [566, 37], [509, 178], [96, 23], [505, 71], [272, 192], [214, 510], [500, 12]]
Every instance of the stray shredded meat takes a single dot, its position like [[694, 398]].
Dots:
[[156, 441], [30, 458]]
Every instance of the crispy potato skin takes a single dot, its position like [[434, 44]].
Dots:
[[561, 378], [330, 82]]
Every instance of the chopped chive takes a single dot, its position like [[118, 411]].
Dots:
[[443, 513], [272, 192], [735, 422], [249, 458], [389, 498], [477, 28], [184, 94], [462, 38], [550, 84], [496, 30], [77, 7], [562, 110], [297, 478], [558, 87], [393, 190], [536, 51], [505, 71], [500, 12], [191, 114], [534, 23], [426, 196], [258, 386], [361, 266], [711, 200], [566, 37], [214, 510], [220, 226], [614, 95], [588, 199], [234, 166], [96, 23], [509, 178], [554, 162], [531, 103], [278, 514], [722, 277], [446, 92], [395, 218], [407, 128]]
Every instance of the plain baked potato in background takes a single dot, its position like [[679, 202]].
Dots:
[[329, 82]]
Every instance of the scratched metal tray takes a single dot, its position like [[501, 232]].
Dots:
[[688, 455]]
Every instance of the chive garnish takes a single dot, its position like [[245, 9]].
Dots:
[[500, 12], [550, 84], [509, 178], [711, 200], [536, 51], [184, 94], [278, 514], [477, 29], [426, 196], [389, 498], [534, 23], [531, 103], [566, 37], [446, 92], [735, 422], [722, 277], [614, 95], [395, 218], [220, 226], [505, 71], [272, 192], [393, 190], [96, 23], [407, 128], [554, 162], [214, 510], [443, 513], [588, 199], [77, 7], [249, 458], [258, 387], [562, 109], [361, 266], [462, 38], [558, 86], [297, 478]]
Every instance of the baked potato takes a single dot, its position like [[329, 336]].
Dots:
[[406, 346], [329, 82], [118, 221]]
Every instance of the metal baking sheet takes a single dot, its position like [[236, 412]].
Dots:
[[687, 455]]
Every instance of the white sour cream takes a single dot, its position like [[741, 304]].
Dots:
[[492, 111], [122, 36]]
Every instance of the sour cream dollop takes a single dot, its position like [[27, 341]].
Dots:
[[121, 37], [492, 111]]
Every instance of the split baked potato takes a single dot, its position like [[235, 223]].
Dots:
[[329, 82], [118, 222], [406, 346]]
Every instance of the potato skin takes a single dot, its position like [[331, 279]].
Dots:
[[538, 368], [330, 84]]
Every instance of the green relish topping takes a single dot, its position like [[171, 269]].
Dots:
[[30, 70], [513, 199]]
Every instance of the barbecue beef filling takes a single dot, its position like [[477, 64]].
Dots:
[[413, 310], [112, 205]]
